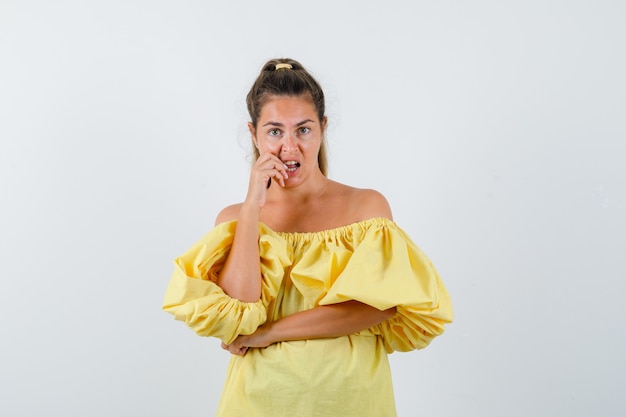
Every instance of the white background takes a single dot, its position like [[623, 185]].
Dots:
[[497, 131]]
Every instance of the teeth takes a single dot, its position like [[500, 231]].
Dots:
[[291, 165]]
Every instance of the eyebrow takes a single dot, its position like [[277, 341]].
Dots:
[[271, 123]]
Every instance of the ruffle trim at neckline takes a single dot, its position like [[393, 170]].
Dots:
[[347, 229]]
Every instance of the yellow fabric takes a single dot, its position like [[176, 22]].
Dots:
[[373, 261]]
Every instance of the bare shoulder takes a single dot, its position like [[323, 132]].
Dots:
[[372, 204], [228, 213], [364, 203]]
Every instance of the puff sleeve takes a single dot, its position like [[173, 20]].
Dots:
[[388, 270], [194, 297]]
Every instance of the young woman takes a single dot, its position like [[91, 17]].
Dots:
[[308, 283]]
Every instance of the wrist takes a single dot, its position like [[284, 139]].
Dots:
[[249, 212], [249, 207], [269, 334]]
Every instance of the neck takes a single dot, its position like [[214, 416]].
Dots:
[[312, 188]]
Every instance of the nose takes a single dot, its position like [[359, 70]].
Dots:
[[289, 145]]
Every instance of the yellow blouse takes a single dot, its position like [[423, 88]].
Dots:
[[372, 261]]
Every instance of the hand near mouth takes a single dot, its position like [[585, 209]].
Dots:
[[268, 166]]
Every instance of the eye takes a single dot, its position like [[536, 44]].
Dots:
[[303, 130], [274, 132]]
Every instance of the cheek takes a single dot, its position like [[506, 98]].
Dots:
[[313, 146], [265, 146]]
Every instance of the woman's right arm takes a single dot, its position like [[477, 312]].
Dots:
[[240, 277]]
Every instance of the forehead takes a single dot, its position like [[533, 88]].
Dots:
[[288, 108]]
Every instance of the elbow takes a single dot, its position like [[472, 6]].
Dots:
[[244, 296], [240, 292]]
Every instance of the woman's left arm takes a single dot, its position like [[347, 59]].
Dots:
[[333, 320]]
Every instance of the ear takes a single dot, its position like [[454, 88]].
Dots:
[[324, 122], [252, 130]]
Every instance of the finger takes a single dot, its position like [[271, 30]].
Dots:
[[276, 164], [267, 170], [280, 173], [276, 174], [279, 177], [238, 351]]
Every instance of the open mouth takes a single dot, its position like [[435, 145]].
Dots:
[[292, 165]]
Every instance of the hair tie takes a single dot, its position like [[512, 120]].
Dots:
[[283, 65]]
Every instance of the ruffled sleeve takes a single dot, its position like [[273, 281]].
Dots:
[[194, 297], [388, 270]]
